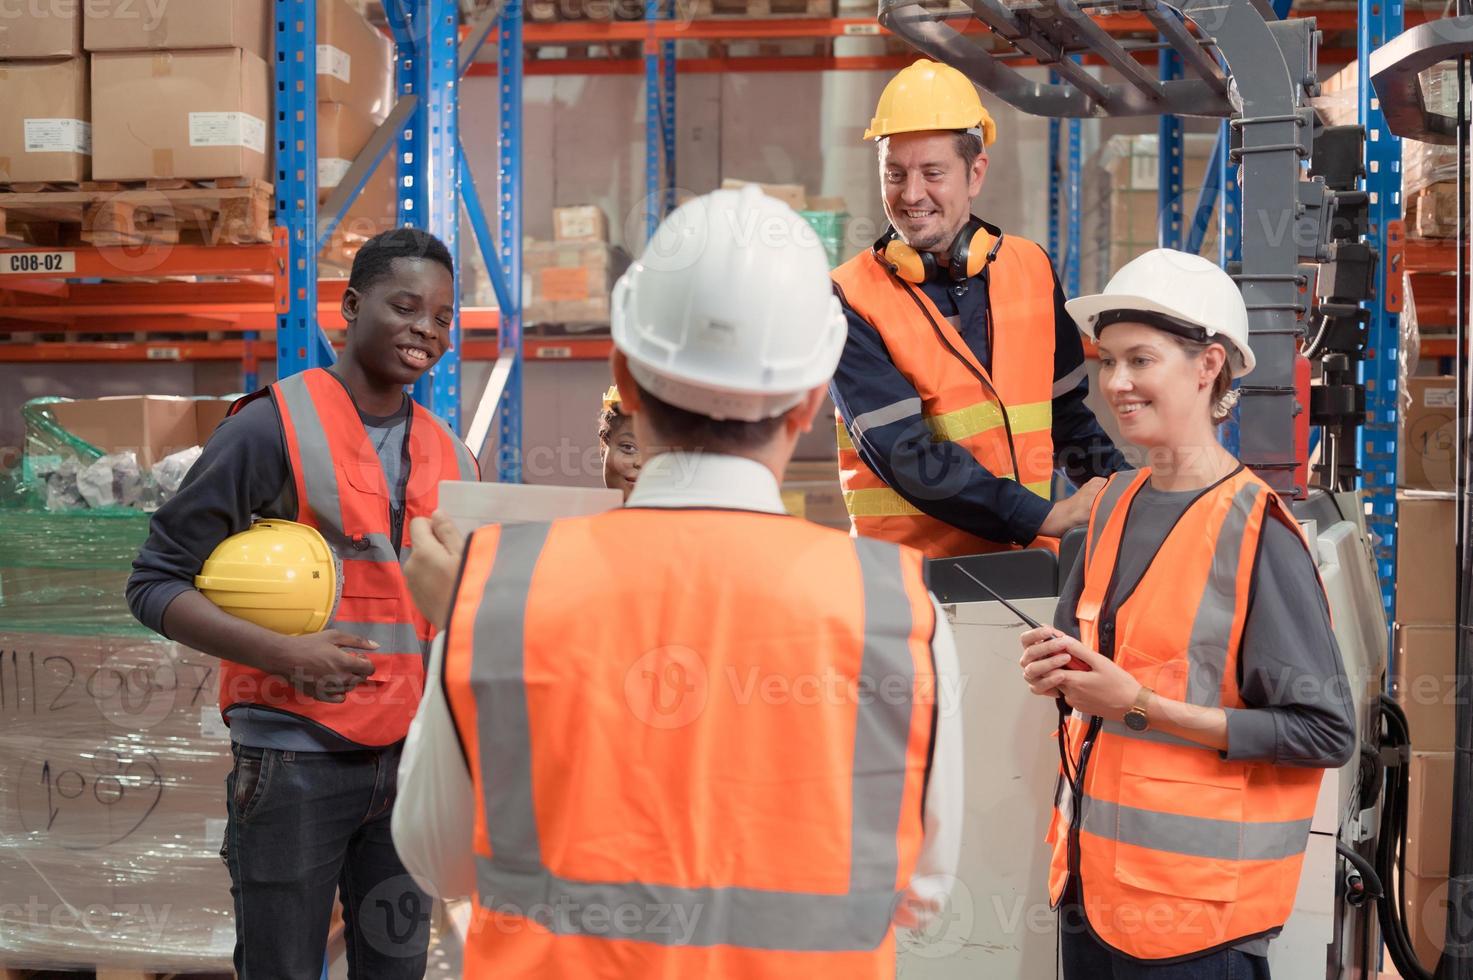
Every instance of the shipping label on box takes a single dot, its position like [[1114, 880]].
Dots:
[[335, 62], [58, 136], [227, 129], [331, 171]]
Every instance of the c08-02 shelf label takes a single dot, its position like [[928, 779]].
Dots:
[[38, 263]]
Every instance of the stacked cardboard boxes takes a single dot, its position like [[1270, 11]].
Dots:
[[1121, 202], [1424, 685], [182, 92], [355, 92], [185, 91], [45, 119]]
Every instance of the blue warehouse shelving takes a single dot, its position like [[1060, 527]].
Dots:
[[433, 183]]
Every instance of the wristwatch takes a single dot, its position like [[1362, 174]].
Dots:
[[1135, 718]]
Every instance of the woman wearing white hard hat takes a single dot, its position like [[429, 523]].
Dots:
[[1193, 642]]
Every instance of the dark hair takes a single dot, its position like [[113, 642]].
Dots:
[[375, 260], [607, 419], [685, 428], [968, 146]]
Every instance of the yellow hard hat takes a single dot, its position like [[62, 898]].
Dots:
[[926, 96], [276, 574], [611, 398]]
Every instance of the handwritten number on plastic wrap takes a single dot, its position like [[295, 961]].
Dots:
[[70, 677], [204, 679], [108, 789]]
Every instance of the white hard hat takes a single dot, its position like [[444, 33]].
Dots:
[[1175, 291], [730, 313]]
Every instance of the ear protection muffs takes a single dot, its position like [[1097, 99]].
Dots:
[[971, 250]]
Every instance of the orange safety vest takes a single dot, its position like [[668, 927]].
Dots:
[[1177, 851], [1002, 417], [341, 490], [700, 759]]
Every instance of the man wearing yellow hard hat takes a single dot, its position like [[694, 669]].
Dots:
[[962, 385], [281, 555]]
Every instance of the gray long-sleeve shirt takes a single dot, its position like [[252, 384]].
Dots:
[[1289, 670]]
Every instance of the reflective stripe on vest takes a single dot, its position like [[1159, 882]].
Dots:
[[1209, 849], [959, 400], [341, 491], [515, 875]]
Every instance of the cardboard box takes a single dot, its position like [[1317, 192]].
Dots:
[[1432, 212], [582, 223], [342, 133], [1430, 816], [1424, 684], [355, 61], [1429, 433], [569, 282], [46, 31], [135, 25], [793, 195], [192, 114], [1425, 905], [45, 125], [153, 426], [1425, 567]]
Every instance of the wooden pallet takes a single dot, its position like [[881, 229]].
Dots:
[[166, 212]]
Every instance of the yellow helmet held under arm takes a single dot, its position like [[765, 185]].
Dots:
[[280, 575]]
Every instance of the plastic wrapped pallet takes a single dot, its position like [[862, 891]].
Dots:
[[112, 809]]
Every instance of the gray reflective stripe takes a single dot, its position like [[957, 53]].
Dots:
[[1213, 625], [1151, 735], [882, 731], [1109, 497], [312, 445], [1226, 840], [465, 464], [498, 682], [1070, 381], [671, 916], [515, 881], [390, 637], [894, 412]]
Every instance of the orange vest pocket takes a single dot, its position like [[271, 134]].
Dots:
[[1165, 674], [1161, 850]]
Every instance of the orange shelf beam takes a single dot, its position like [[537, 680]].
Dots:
[[756, 29], [156, 261], [478, 349]]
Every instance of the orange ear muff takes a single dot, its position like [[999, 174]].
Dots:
[[979, 251], [908, 264]]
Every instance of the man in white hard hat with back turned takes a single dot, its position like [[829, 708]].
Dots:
[[962, 386], [592, 760]]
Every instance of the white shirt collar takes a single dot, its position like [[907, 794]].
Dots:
[[701, 479]]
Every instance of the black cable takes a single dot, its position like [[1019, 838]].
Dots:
[[1374, 889], [1391, 844]]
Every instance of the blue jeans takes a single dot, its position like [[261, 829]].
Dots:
[[302, 827], [1086, 958]]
